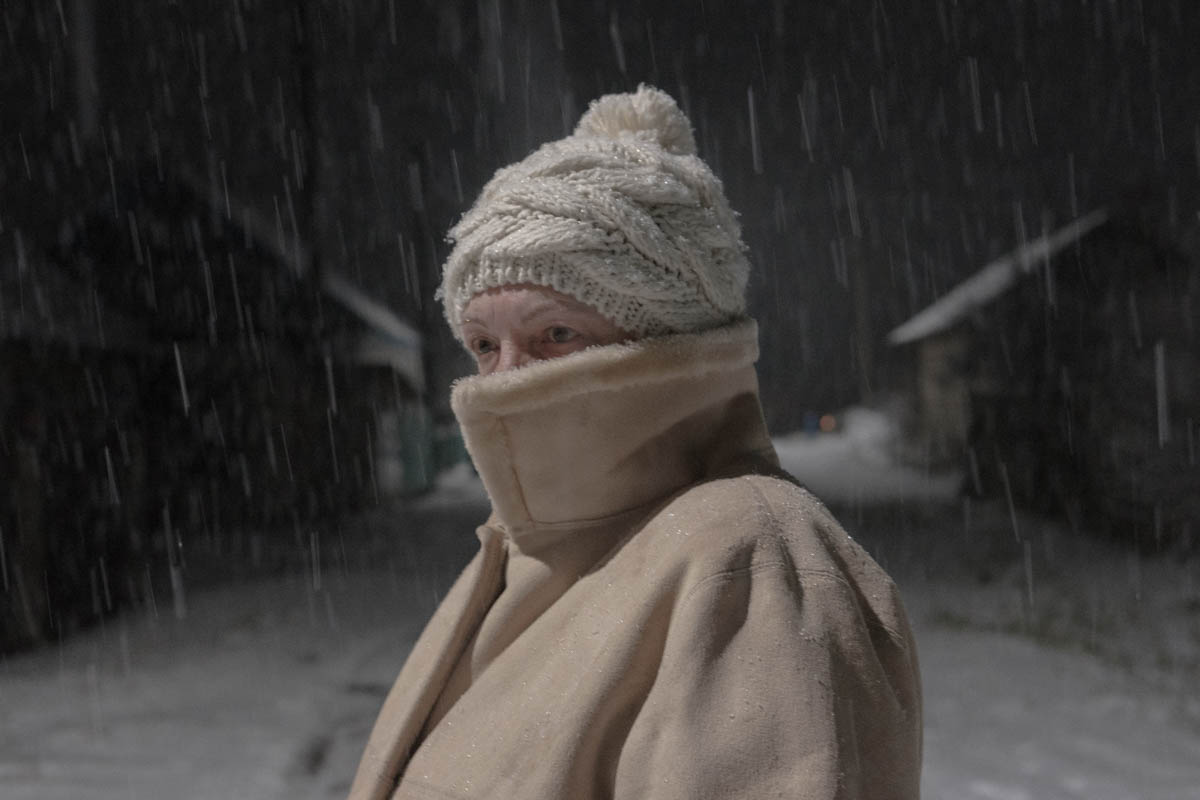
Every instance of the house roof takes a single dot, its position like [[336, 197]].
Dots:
[[389, 340], [992, 281], [49, 303]]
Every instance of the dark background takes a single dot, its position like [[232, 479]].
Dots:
[[878, 152], [178, 180]]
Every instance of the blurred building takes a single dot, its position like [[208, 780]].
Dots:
[[183, 394], [1067, 375]]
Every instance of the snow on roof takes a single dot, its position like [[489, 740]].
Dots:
[[390, 340], [992, 281]]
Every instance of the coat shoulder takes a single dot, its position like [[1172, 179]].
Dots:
[[749, 526], [753, 516]]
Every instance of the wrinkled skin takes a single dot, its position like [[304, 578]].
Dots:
[[511, 326]]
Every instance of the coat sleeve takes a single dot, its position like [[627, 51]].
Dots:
[[777, 682]]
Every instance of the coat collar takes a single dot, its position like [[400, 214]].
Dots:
[[612, 428]]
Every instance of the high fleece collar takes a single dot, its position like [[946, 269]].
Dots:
[[612, 428]]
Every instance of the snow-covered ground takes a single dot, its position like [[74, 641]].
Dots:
[[857, 465], [266, 689], [1054, 666]]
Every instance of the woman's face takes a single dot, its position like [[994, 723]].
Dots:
[[510, 326]]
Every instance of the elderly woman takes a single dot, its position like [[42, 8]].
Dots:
[[656, 609]]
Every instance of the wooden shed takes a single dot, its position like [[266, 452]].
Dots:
[[1067, 375]]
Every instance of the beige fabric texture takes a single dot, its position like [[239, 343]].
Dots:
[[621, 215], [656, 611]]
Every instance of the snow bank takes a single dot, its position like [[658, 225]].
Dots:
[[857, 462]]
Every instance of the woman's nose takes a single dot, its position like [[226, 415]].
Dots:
[[512, 355]]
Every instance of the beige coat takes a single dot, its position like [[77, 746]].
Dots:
[[655, 610]]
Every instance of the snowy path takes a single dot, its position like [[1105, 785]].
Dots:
[[246, 698], [260, 694], [265, 690], [1006, 719], [268, 688]]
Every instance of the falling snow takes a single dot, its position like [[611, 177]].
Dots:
[[231, 489]]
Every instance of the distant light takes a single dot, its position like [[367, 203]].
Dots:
[[828, 423]]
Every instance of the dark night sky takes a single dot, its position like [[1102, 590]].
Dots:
[[878, 152]]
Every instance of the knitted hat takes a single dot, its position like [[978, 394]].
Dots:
[[621, 215]]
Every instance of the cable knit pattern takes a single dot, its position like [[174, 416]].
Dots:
[[621, 215]]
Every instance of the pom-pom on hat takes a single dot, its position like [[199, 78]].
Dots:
[[621, 215]]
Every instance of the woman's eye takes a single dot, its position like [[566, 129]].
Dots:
[[560, 334], [482, 347]]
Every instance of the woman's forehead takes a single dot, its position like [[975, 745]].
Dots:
[[525, 301]]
